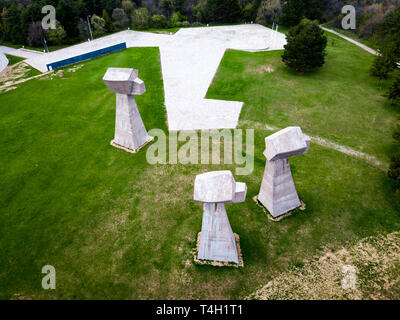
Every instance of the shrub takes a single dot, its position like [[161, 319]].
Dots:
[[35, 33], [121, 20], [108, 25], [140, 18], [226, 11], [159, 21], [305, 48], [57, 35], [98, 25], [269, 11]]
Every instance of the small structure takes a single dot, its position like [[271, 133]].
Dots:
[[217, 241], [278, 192], [130, 132]]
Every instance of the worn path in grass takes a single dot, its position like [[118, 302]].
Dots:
[[325, 143], [339, 102]]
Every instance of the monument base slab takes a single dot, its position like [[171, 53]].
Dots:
[[219, 263], [149, 139]]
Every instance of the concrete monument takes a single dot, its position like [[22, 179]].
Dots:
[[130, 132], [217, 241], [278, 192]]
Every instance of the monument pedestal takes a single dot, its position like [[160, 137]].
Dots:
[[217, 241], [278, 193], [130, 133]]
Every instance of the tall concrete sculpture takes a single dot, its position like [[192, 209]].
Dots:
[[278, 192], [217, 241], [130, 132]]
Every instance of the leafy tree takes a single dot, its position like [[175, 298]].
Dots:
[[68, 15], [159, 21], [13, 28], [57, 35], [177, 18], [35, 33], [167, 7], [179, 5], [248, 12], [295, 10], [389, 30], [98, 26], [121, 20], [394, 93], [222, 11], [128, 6], [269, 11], [108, 25], [305, 48], [83, 29], [140, 18]]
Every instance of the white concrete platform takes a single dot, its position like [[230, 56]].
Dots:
[[3, 62], [189, 61]]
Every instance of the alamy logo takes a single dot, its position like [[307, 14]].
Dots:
[[349, 277], [49, 20], [349, 20], [49, 280]]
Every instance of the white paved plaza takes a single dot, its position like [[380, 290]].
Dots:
[[189, 61]]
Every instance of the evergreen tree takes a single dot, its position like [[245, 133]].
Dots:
[[305, 48], [68, 15], [293, 12], [394, 91], [108, 25], [384, 63], [218, 11], [13, 28], [389, 31]]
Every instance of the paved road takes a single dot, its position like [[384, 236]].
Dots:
[[189, 61]]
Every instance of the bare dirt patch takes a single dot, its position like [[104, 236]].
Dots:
[[266, 68], [375, 259], [13, 73]]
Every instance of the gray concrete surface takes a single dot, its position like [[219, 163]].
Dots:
[[278, 192], [189, 61], [217, 241], [130, 131]]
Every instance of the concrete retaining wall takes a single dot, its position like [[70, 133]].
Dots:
[[85, 56]]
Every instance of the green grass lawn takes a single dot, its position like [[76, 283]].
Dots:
[[340, 101], [13, 59], [115, 226]]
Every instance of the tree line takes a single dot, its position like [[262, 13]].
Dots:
[[20, 19]]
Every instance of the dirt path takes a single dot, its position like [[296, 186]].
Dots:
[[362, 46], [326, 143]]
